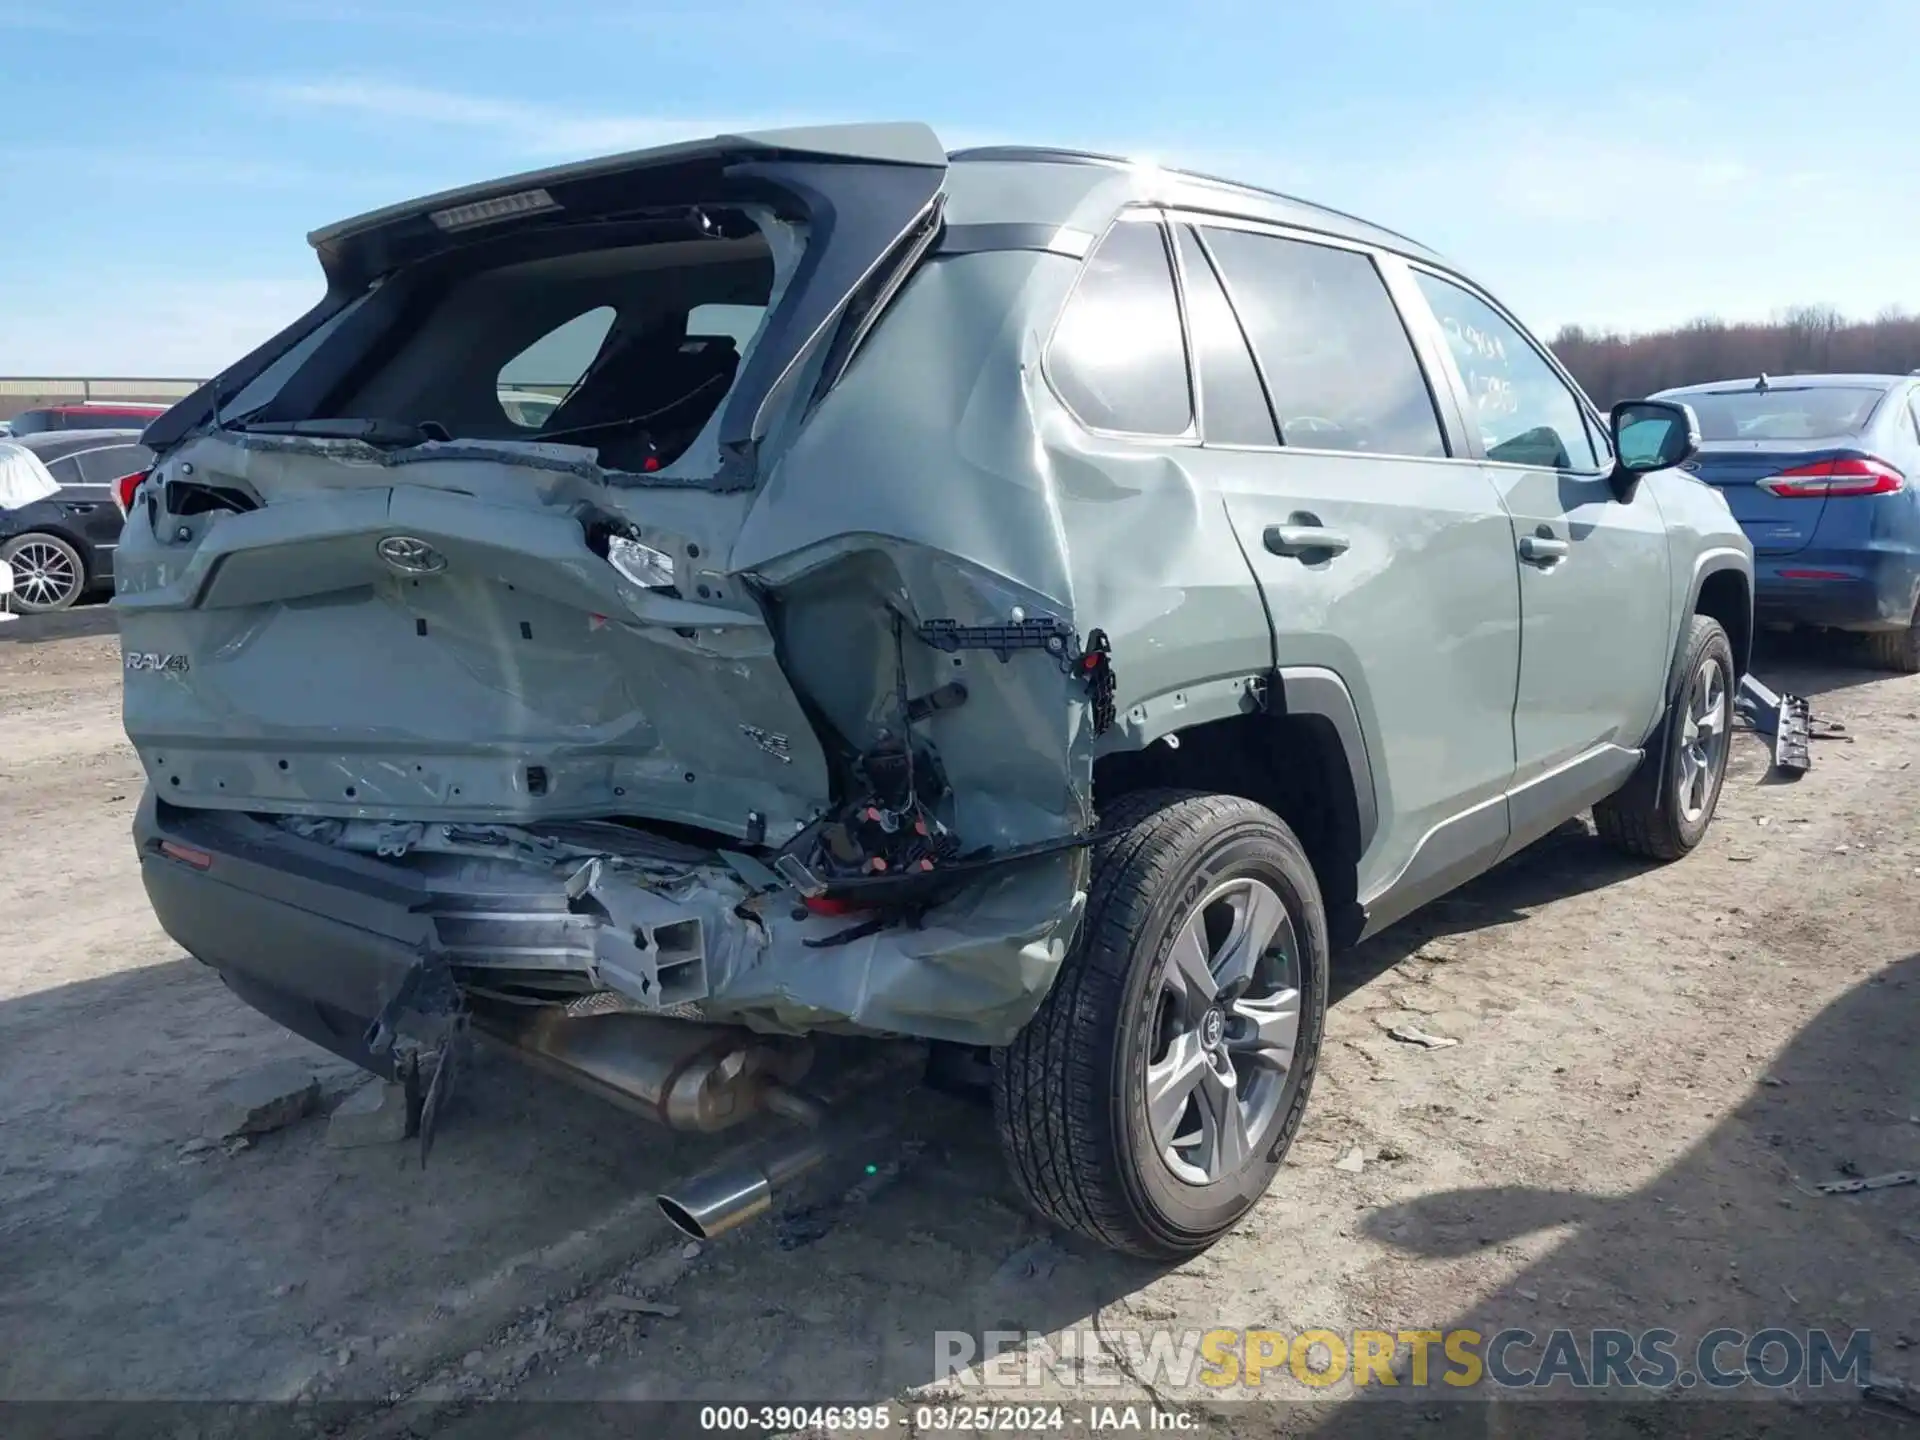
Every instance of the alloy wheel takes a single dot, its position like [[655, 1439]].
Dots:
[[1227, 1024], [44, 575], [1704, 735]]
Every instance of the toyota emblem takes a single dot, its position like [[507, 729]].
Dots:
[[410, 556]]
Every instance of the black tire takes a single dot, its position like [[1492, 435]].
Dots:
[[1897, 650], [61, 561], [1649, 818], [1069, 1092]]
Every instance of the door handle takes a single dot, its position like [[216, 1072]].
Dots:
[[1306, 541], [1543, 549]]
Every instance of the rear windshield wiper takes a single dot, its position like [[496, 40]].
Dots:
[[383, 433]]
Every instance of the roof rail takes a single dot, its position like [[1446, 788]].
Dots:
[[1043, 154]]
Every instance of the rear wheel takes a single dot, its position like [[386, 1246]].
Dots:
[[1898, 649], [1149, 1103], [1665, 821], [48, 573]]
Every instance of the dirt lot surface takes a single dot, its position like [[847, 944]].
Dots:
[[1656, 1069]]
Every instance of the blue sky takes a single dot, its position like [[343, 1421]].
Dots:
[[1627, 164]]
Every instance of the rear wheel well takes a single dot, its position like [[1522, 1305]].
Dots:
[[1292, 764], [1724, 597]]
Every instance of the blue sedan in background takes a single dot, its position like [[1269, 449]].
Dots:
[[1823, 473]]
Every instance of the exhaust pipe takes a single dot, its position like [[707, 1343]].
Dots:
[[741, 1189], [730, 1195], [687, 1075]]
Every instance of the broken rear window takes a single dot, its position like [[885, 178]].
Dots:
[[628, 348]]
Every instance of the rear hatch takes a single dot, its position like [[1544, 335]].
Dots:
[[374, 574], [1756, 436]]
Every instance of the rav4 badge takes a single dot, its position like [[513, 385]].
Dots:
[[149, 660]]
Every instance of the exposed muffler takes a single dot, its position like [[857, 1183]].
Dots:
[[687, 1075], [682, 1074]]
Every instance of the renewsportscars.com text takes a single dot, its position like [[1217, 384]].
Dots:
[[1455, 1360]]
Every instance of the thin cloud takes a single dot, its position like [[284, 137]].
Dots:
[[172, 167], [52, 22], [144, 324], [519, 128]]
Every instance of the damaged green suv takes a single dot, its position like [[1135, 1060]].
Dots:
[[658, 610]]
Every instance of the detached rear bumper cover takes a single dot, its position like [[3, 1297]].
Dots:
[[322, 940]]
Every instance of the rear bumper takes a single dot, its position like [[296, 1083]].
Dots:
[[317, 946], [1842, 590], [322, 940]]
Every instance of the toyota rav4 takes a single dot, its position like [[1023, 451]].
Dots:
[[1015, 600]]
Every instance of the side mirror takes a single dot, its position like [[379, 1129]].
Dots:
[[1650, 435]]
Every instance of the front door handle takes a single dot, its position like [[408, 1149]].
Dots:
[[1543, 549], [1306, 542]]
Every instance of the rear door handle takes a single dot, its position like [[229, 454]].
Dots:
[[1543, 549], [1303, 541]]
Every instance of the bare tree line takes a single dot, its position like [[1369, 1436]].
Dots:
[[1810, 340]]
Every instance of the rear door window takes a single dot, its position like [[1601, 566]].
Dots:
[[106, 465], [1232, 402], [1526, 413], [1119, 357], [1338, 364]]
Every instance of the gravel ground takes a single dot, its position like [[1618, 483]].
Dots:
[[1656, 1069]]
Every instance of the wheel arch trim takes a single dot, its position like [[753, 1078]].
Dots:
[[1316, 690]]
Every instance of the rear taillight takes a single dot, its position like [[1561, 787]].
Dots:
[[1852, 475], [123, 489]]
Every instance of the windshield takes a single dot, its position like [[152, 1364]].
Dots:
[[1783, 412]]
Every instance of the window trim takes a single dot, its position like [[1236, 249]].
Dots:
[[1193, 351], [1381, 260], [1589, 413], [1141, 214], [77, 455]]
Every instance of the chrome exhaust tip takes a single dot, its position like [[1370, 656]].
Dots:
[[737, 1191]]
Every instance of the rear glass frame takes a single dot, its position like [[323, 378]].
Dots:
[[1712, 414]]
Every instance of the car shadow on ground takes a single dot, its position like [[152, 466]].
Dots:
[[82, 619], [1735, 1234], [134, 1264], [250, 1268], [1812, 663], [1570, 861]]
